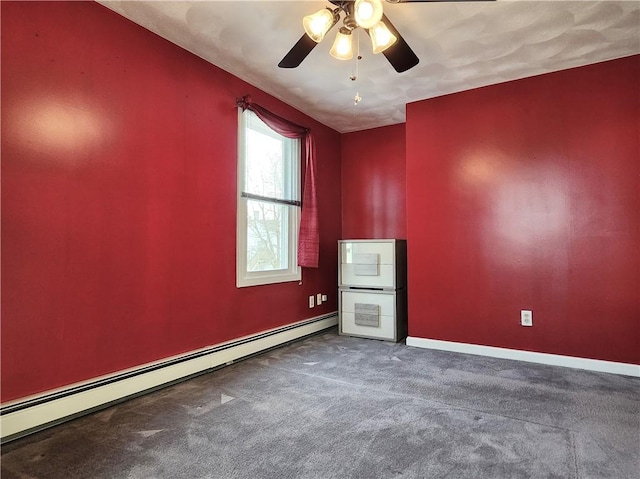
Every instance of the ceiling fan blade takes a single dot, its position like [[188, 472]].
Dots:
[[298, 53], [400, 54]]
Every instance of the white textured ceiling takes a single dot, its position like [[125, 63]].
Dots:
[[460, 46]]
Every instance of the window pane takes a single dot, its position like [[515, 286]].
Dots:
[[265, 166], [267, 236]]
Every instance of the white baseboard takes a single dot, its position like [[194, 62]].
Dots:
[[597, 365], [34, 413]]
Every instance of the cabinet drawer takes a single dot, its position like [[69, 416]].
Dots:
[[352, 274], [384, 330], [370, 315], [352, 251], [385, 302]]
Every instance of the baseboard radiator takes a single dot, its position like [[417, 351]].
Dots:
[[35, 413]]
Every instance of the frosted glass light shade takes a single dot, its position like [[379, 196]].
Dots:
[[318, 24], [367, 12], [342, 48], [381, 37]]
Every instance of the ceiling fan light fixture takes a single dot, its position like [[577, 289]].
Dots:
[[318, 24], [381, 37], [342, 48], [367, 12]]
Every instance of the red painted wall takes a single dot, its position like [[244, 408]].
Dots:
[[119, 200], [373, 183], [525, 195]]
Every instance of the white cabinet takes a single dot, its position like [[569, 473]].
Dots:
[[373, 264], [373, 294]]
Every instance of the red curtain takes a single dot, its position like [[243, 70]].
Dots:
[[309, 235]]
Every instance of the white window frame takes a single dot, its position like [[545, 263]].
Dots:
[[246, 278]]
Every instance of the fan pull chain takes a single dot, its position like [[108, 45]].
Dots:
[[357, 98]]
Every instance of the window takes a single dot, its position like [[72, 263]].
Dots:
[[268, 204]]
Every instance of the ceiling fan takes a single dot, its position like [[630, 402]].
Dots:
[[366, 14]]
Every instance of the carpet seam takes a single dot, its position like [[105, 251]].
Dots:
[[449, 406]]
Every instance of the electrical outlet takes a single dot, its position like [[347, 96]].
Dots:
[[526, 318], [324, 298], [311, 301], [319, 299]]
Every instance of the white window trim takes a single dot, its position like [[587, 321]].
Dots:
[[246, 278]]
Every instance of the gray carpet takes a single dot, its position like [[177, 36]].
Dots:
[[340, 407]]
